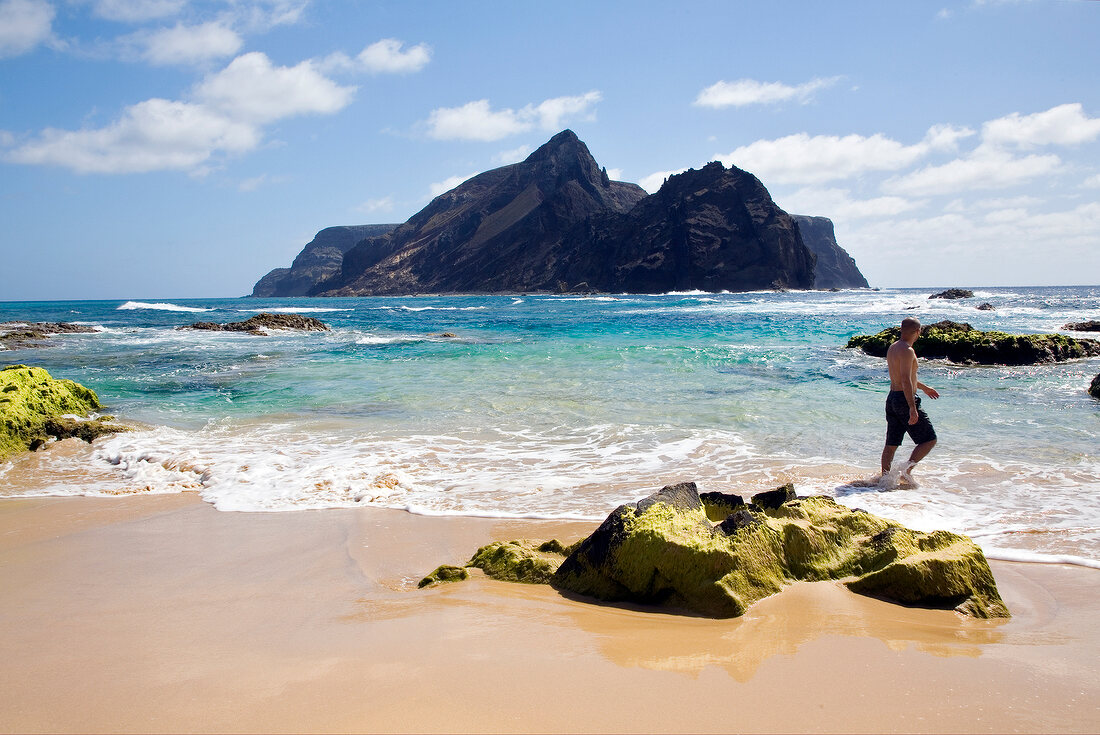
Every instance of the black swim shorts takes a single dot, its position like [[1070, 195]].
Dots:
[[897, 421]]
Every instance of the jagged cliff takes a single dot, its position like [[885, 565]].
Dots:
[[499, 231], [711, 229], [556, 222], [319, 259], [835, 268]]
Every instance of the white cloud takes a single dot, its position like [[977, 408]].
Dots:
[[152, 135], [751, 92], [1092, 182], [478, 121], [512, 156], [187, 44], [387, 56], [1061, 125], [654, 181], [226, 115], [263, 15], [988, 169], [806, 159], [615, 174], [136, 11], [24, 24], [382, 57], [384, 204], [839, 205], [252, 89], [441, 187]]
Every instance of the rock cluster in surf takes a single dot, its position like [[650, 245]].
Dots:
[[666, 550], [257, 324], [35, 406], [953, 294], [18, 335], [961, 343]]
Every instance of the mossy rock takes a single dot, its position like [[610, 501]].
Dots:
[[961, 343], [29, 398], [718, 506], [663, 551], [520, 561], [444, 573]]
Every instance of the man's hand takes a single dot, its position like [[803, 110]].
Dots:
[[930, 392], [914, 416]]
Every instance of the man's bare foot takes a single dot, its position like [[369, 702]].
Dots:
[[905, 477]]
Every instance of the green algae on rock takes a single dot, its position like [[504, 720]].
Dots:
[[444, 573], [961, 343], [33, 406], [663, 550], [520, 561]]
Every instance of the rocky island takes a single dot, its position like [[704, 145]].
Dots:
[[665, 550], [556, 222]]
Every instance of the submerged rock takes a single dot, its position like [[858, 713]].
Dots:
[[1092, 325], [33, 406], [961, 343], [664, 551], [953, 293], [987, 307], [265, 320]]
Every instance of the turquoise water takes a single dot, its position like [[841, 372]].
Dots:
[[546, 406]]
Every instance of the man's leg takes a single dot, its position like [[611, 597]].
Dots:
[[888, 457], [921, 451]]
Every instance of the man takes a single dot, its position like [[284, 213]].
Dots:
[[903, 411]]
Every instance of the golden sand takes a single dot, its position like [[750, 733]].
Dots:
[[162, 614]]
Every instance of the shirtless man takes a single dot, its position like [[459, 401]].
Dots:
[[903, 411]]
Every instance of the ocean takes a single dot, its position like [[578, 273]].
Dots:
[[567, 406]]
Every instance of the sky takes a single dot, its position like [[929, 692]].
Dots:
[[181, 149]]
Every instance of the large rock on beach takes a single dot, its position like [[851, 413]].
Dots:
[[260, 322], [17, 335], [34, 406], [961, 343], [953, 293], [665, 551]]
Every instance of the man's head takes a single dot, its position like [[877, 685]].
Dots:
[[910, 327]]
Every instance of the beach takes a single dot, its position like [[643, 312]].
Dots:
[[161, 614]]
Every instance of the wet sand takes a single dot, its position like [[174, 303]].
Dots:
[[159, 613]]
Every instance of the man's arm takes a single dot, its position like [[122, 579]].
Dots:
[[909, 384], [928, 391]]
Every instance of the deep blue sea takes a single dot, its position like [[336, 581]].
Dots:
[[567, 406]]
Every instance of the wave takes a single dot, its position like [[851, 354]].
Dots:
[[292, 310], [158, 306]]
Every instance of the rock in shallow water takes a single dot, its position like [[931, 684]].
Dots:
[[256, 324], [664, 551], [961, 343]]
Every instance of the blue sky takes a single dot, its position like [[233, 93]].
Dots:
[[175, 148]]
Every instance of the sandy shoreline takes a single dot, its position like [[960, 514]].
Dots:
[[162, 614]]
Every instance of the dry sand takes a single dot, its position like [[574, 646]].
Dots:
[[162, 614]]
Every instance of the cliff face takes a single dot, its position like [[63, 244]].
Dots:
[[710, 229], [320, 259], [835, 268], [499, 231]]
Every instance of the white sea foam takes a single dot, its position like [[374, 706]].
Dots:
[[158, 306], [442, 308], [292, 310]]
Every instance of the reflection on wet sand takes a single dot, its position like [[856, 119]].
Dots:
[[779, 625]]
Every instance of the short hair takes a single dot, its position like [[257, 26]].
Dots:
[[908, 324]]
